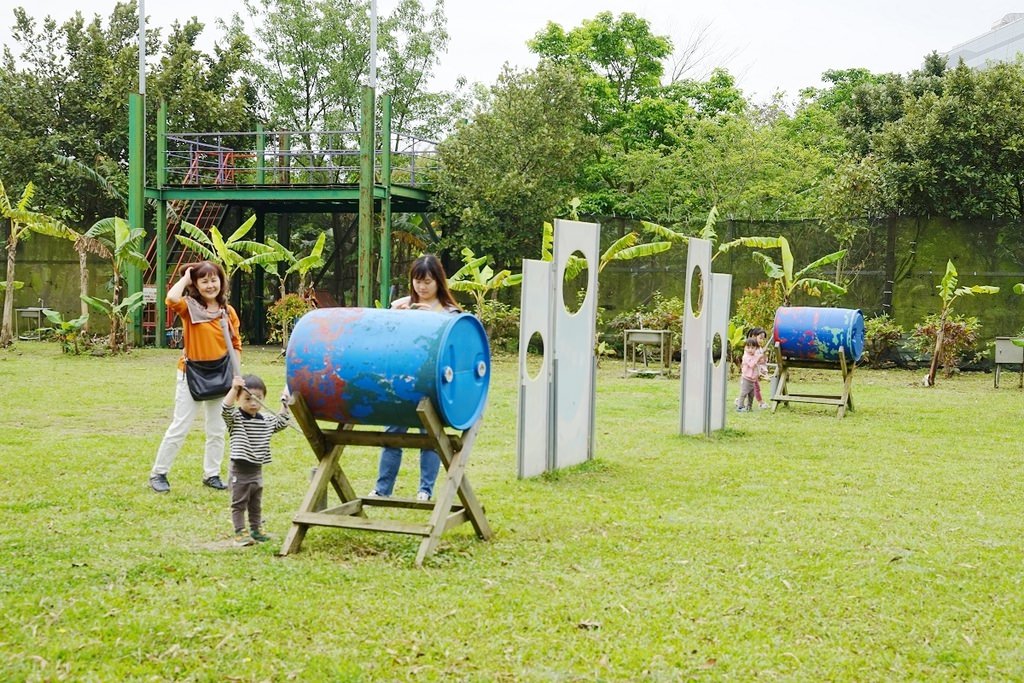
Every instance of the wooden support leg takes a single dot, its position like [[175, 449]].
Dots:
[[455, 483], [326, 472]]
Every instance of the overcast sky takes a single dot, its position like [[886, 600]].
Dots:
[[768, 46]]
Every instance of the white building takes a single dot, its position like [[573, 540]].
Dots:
[[1001, 44]]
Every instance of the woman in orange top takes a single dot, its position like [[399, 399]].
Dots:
[[200, 299]]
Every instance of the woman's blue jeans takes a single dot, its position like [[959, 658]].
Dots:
[[391, 461]]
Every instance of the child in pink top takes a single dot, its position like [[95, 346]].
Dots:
[[750, 372]]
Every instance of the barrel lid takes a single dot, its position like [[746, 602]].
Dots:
[[463, 372]]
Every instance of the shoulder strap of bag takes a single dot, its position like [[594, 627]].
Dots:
[[237, 364]]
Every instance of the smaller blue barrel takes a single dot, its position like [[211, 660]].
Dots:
[[372, 366], [818, 333]]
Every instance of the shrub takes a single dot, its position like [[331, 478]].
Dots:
[[501, 322], [960, 338], [882, 337], [283, 314], [756, 307]]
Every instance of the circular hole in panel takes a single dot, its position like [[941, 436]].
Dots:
[[574, 282], [696, 292], [716, 350], [534, 356]]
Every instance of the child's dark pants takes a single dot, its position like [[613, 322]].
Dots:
[[246, 494]]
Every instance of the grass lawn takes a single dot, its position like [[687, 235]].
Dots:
[[792, 546]]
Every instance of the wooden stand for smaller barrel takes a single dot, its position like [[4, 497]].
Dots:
[[351, 513], [842, 401]]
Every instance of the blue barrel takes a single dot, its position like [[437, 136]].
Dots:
[[372, 366], [818, 333]]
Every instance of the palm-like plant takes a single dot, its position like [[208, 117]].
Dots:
[[948, 294], [782, 273], [233, 253], [626, 248], [478, 279], [124, 247], [302, 265], [23, 223]]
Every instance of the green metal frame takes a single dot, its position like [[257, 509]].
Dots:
[[365, 198]]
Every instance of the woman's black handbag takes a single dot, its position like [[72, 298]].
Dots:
[[209, 378]]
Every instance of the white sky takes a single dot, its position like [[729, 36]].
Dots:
[[767, 46]]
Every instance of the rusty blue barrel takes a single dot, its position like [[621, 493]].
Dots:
[[813, 333], [372, 366]]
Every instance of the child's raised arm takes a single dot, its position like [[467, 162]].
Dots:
[[237, 387]]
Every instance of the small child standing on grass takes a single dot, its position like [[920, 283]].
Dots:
[[249, 433], [761, 336], [750, 372]]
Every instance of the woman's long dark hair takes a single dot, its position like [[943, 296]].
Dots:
[[430, 266], [202, 269]]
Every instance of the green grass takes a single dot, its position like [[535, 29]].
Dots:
[[792, 546]]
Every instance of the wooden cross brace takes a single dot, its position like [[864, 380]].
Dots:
[[842, 401], [351, 513]]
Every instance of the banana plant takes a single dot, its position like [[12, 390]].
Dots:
[[233, 253], [948, 294], [120, 314], [67, 332], [668, 234], [478, 279], [782, 273], [626, 248], [124, 246], [296, 264], [23, 222]]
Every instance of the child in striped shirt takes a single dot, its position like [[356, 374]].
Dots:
[[249, 432]]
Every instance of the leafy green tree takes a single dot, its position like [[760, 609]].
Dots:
[[513, 165], [62, 92], [619, 62]]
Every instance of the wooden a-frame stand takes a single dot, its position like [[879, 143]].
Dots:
[[350, 514], [782, 394]]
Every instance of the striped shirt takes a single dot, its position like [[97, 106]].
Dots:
[[250, 434]]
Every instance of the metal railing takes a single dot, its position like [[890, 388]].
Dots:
[[289, 158]]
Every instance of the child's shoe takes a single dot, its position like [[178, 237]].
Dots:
[[763, 406], [242, 539], [259, 536], [740, 409]]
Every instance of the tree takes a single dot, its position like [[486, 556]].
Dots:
[[479, 279], [618, 61], [513, 165], [23, 222]]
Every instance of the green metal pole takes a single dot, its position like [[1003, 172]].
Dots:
[[136, 191], [385, 173], [364, 289], [261, 148], [161, 226]]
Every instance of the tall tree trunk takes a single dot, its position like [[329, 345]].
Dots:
[[5, 331], [115, 319], [938, 350], [83, 284]]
